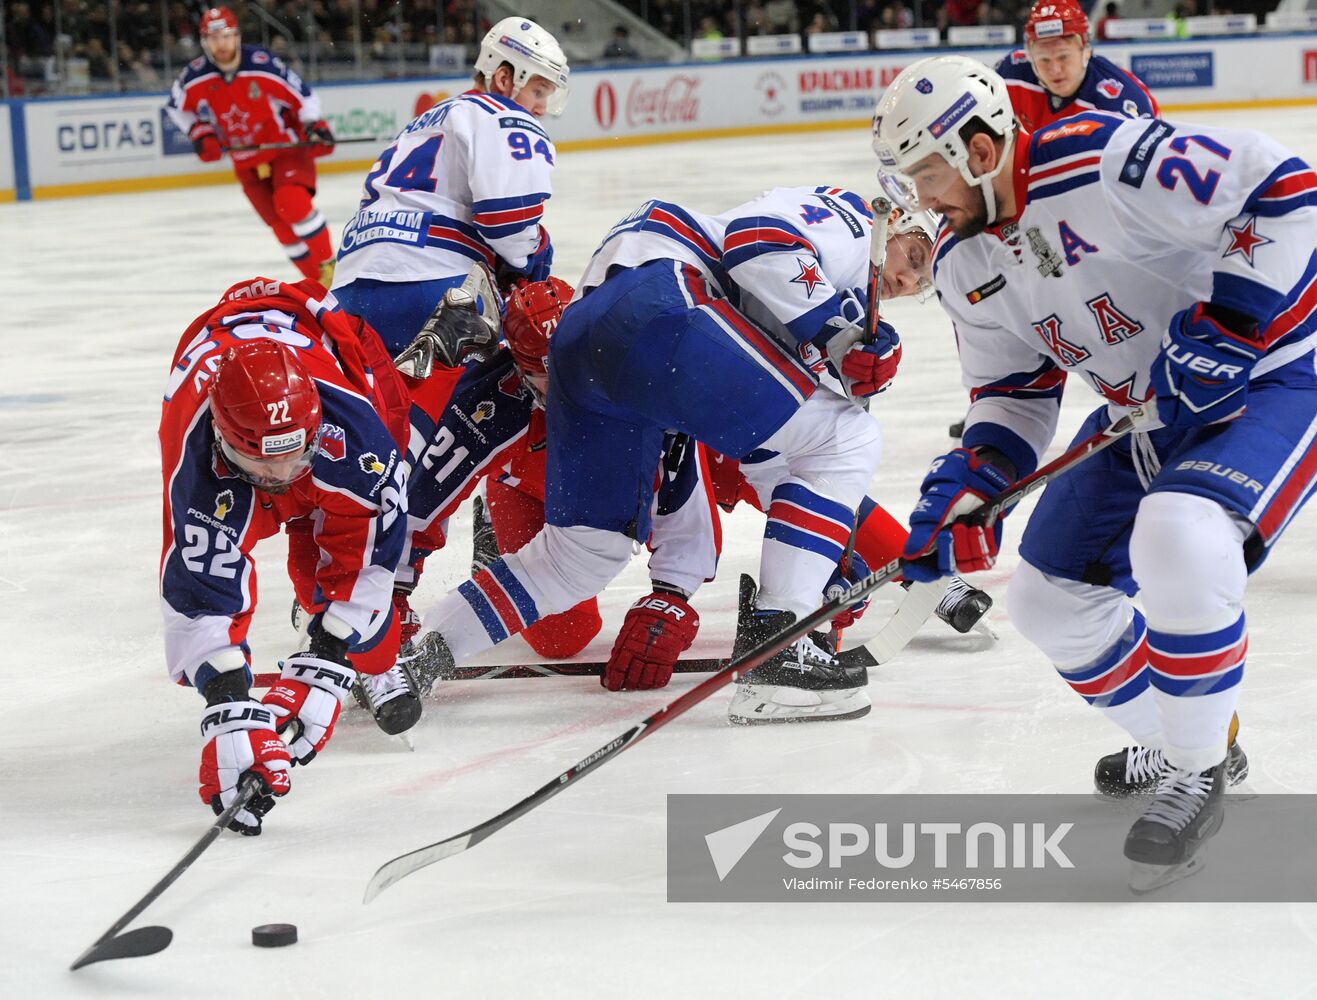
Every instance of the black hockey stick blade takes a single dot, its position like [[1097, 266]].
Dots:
[[149, 940], [135, 944], [406, 864]]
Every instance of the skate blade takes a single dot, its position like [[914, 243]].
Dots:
[[406, 740], [788, 720], [983, 628], [1145, 878]]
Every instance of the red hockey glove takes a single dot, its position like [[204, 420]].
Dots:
[[240, 739], [657, 629], [409, 622], [871, 367], [320, 133], [206, 142], [308, 697]]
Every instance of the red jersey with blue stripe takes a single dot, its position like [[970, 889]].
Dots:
[[1106, 87], [262, 101], [353, 495], [1121, 224]]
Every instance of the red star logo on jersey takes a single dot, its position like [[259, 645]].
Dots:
[[235, 121], [809, 276], [1122, 393], [1245, 239]]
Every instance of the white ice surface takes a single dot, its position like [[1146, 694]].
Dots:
[[98, 753]]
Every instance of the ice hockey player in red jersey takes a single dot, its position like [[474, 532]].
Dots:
[[241, 95], [1057, 74], [262, 427]]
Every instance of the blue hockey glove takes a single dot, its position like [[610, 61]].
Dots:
[[938, 546], [840, 582], [1201, 375]]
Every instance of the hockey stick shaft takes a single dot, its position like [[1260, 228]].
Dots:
[[267, 147], [249, 787], [404, 865]]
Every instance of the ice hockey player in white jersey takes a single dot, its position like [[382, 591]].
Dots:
[[709, 326], [465, 181], [1156, 262]]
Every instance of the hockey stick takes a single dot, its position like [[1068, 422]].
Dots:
[[857, 657], [404, 865], [266, 147], [882, 210], [149, 940]]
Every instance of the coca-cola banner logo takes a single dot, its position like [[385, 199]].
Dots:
[[672, 100], [605, 105]]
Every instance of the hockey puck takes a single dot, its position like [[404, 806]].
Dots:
[[274, 935]]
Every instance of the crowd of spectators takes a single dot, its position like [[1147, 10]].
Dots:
[[96, 45]]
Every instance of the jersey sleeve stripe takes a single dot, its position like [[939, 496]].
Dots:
[[1291, 186]]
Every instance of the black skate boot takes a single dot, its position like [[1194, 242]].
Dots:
[[1136, 770], [1185, 812], [803, 683], [429, 660], [484, 546], [963, 606], [391, 698]]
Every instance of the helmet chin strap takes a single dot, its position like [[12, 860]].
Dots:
[[984, 181]]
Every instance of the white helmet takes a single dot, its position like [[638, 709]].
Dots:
[[531, 51], [919, 221], [921, 113]]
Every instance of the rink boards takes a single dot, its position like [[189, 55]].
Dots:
[[79, 146]]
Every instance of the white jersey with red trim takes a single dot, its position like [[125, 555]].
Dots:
[[783, 259], [1123, 223], [465, 181]]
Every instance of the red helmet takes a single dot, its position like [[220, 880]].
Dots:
[[218, 21], [267, 414], [1056, 19], [533, 311]]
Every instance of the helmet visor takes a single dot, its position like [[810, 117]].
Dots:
[[274, 473], [909, 266]]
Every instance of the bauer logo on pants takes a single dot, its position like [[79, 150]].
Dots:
[[980, 848]]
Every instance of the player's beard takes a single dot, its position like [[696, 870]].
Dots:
[[974, 219]]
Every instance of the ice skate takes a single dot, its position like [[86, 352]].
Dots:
[[803, 683]]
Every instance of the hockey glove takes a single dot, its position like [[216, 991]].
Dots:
[[863, 369], [657, 630], [938, 545], [310, 693], [1201, 374], [205, 142], [840, 581], [537, 267], [871, 367], [320, 133], [240, 739]]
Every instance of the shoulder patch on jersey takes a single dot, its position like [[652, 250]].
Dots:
[[333, 443], [260, 58], [990, 287], [508, 121], [1140, 155], [1086, 132], [1068, 128], [1019, 56], [1110, 88]]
